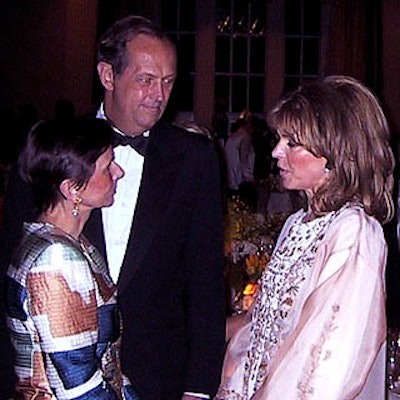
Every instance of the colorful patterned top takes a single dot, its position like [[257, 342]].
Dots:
[[63, 319]]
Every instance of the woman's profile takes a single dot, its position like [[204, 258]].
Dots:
[[61, 302], [317, 327]]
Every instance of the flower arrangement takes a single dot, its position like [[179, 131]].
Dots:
[[249, 241]]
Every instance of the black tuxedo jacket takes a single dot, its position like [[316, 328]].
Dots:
[[170, 287]]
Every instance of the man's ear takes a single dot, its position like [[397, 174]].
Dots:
[[106, 75]]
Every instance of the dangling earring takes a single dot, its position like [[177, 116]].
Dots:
[[75, 210]]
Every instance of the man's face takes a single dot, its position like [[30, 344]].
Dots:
[[139, 95]]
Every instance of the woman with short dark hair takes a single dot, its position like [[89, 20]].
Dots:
[[61, 302]]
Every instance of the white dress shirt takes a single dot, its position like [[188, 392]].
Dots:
[[117, 219]]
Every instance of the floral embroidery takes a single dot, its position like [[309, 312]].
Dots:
[[318, 355], [281, 283]]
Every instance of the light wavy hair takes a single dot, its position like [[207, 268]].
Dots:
[[340, 119]]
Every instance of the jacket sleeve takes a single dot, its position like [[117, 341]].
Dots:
[[206, 295]]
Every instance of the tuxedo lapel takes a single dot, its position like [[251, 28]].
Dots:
[[162, 163]]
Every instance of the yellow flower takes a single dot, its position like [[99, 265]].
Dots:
[[255, 263]]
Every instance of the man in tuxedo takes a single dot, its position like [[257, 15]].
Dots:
[[163, 236]]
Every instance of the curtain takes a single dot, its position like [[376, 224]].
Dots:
[[354, 40]]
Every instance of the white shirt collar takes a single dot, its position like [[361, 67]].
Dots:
[[102, 115]]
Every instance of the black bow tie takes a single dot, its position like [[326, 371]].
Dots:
[[139, 142]]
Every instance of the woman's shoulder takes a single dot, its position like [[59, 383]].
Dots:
[[45, 242], [353, 219], [352, 226]]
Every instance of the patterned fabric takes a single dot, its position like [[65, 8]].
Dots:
[[63, 319], [317, 328], [289, 267]]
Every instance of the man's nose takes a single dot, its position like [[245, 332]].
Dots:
[[158, 91]]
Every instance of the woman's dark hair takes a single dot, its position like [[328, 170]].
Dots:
[[58, 150]]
